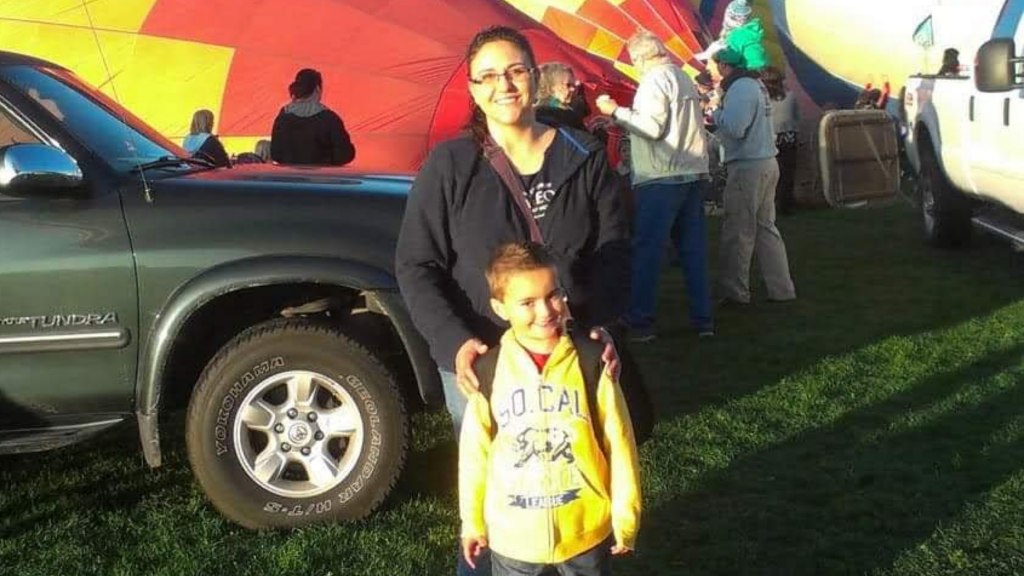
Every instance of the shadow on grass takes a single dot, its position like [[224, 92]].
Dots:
[[107, 473], [851, 497], [861, 275]]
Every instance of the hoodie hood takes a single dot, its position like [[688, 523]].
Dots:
[[305, 107]]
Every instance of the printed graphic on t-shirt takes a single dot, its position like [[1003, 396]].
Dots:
[[539, 198], [543, 444], [547, 473]]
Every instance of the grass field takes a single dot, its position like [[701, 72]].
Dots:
[[875, 426]]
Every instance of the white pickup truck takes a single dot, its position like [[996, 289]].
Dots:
[[965, 136]]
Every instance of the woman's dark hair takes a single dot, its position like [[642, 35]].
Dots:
[[306, 81], [775, 81], [477, 126]]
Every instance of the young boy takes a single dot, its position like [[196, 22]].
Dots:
[[544, 477]]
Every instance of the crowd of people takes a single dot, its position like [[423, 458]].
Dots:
[[530, 269]]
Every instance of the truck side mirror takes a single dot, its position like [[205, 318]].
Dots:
[[995, 68], [26, 167]]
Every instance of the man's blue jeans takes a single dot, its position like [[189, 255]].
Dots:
[[455, 401], [656, 207]]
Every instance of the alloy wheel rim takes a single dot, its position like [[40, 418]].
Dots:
[[298, 434]]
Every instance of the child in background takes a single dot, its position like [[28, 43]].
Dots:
[[548, 473]]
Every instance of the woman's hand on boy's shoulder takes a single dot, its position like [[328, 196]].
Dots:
[[610, 356], [465, 376]]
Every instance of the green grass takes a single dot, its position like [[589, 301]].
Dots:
[[875, 426]]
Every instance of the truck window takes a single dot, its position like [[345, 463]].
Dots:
[[12, 131], [99, 123]]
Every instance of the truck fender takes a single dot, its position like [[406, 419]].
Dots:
[[379, 287]]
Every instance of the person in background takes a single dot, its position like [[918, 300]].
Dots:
[[585, 485], [260, 155], [459, 211], [556, 87], [744, 127], [950, 62], [669, 162], [871, 98], [786, 124], [743, 33], [201, 142], [715, 184], [263, 150], [307, 132]]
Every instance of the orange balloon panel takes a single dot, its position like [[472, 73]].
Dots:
[[602, 27]]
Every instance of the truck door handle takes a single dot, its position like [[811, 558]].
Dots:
[[1006, 112], [970, 109]]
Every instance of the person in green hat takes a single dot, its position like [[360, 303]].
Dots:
[[744, 129]]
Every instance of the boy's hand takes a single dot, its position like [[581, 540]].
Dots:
[[610, 356], [619, 550], [465, 377], [471, 548]]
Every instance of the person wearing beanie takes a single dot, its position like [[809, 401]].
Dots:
[[742, 32], [737, 14], [307, 132], [744, 128]]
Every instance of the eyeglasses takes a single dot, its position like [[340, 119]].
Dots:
[[514, 73]]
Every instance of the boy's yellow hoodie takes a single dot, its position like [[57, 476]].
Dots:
[[539, 487]]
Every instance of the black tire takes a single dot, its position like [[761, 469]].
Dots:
[[945, 212], [251, 463]]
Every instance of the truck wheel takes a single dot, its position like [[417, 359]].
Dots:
[[946, 213], [293, 423]]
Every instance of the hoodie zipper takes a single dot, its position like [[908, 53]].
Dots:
[[547, 472]]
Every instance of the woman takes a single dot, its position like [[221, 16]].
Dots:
[[786, 124], [459, 211], [201, 143], [307, 132], [556, 89]]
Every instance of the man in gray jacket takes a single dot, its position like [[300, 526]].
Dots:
[[668, 149], [744, 128]]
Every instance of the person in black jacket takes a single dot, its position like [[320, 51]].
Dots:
[[201, 143], [307, 132], [459, 210]]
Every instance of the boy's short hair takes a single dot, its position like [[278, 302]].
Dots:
[[512, 258]]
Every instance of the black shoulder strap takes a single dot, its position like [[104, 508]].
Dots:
[[589, 352], [484, 368]]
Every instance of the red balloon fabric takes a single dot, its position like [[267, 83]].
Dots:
[[393, 69]]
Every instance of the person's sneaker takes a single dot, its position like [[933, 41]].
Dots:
[[705, 332], [640, 334]]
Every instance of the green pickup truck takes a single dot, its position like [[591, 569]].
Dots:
[[134, 279]]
